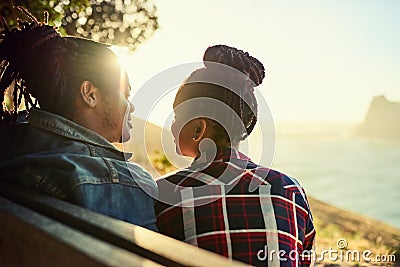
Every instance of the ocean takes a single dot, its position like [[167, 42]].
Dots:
[[337, 167]]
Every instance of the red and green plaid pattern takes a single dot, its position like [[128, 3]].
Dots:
[[238, 209]]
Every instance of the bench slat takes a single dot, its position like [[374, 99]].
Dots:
[[30, 239], [141, 241]]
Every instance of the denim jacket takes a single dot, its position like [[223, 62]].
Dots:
[[63, 159]]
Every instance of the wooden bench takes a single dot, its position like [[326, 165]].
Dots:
[[39, 230]]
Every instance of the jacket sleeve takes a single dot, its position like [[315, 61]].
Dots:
[[124, 202]]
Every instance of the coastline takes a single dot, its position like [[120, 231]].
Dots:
[[360, 232], [331, 223]]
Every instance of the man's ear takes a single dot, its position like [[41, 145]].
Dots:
[[200, 129], [89, 94]]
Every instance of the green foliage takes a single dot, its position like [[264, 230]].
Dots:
[[161, 163], [8, 103], [37, 8], [119, 22]]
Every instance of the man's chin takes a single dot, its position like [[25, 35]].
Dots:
[[126, 133], [125, 138], [178, 151]]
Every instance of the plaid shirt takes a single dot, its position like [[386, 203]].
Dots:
[[238, 209]]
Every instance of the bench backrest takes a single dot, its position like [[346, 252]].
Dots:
[[40, 230]]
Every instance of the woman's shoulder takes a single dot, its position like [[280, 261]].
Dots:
[[182, 177], [279, 182], [286, 186], [278, 178]]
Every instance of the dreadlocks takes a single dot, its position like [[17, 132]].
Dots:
[[45, 69], [239, 96]]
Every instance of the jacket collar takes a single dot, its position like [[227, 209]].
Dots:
[[69, 129]]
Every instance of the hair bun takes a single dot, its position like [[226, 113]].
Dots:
[[237, 59]]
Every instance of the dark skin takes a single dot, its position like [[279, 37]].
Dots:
[[188, 136], [106, 112]]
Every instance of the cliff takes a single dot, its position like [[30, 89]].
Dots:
[[382, 120]]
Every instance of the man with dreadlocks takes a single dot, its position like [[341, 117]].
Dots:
[[76, 99], [224, 202]]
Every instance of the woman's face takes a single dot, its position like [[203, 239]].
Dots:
[[183, 132]]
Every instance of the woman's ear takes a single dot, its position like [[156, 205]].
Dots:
[[89, 93], [199, 129]]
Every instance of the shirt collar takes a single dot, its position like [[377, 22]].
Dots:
[[225, 154], [228, 153]]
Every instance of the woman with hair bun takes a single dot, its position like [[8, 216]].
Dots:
[[75, 95], [211, 204]]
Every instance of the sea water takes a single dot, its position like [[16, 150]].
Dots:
[[336, 166]]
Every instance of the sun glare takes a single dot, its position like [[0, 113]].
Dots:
[[123, 55]]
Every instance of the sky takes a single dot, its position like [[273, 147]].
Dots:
[[324, 60]]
